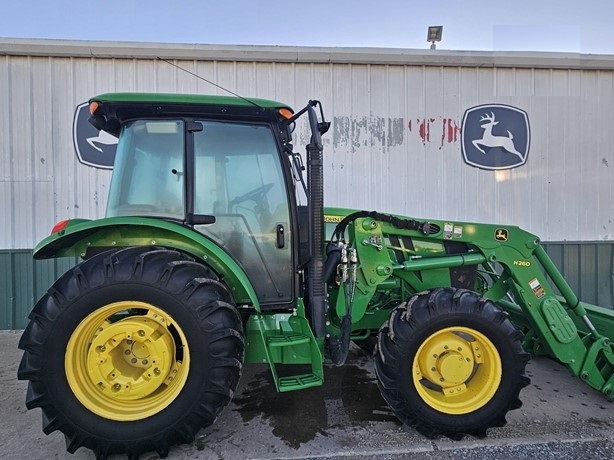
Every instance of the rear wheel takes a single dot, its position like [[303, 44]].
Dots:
[[132, 351], [450, 363]]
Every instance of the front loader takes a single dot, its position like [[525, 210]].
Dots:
[[207, 260]]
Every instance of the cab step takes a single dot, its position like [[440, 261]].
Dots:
[[287, 340], [299, 382], [287, 343]]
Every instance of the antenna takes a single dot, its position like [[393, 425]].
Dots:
[[208, 81]]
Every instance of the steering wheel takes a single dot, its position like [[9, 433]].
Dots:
[[254, 194]]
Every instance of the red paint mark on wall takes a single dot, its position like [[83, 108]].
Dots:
[[424, 129], [448, 127], [449, 132]]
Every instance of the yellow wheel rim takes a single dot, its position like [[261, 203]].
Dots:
[[127, 361], [457, 370]]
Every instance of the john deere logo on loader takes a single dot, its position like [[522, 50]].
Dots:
[[495, 136], [93, 147], [501, 234]]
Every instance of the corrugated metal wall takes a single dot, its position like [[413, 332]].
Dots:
[[394, 145]]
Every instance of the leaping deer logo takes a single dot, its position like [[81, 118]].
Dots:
[[93, 147], [490, 141], [495, 136]]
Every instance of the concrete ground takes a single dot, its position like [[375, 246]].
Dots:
[[345, 419]]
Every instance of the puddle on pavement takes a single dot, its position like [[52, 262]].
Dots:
[[349, 397]]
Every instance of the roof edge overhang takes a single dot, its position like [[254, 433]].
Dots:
[[302, 54]]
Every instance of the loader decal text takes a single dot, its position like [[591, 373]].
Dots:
[[537, 288], [522, 263], [332, 219]]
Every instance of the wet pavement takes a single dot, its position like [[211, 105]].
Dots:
[[346, 418]]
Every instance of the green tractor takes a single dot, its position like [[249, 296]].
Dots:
[[207, 261]]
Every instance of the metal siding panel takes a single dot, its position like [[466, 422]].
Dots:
[[376, 119], [24, 286], [226, 76], [7, 219], [604, 275], [23, 281], [284, 87], [397, 185], [5, 119], [7, 299], [416, 200], [66, 172], [338, 159], [588, 268], [144, 75], [186, 83], [21, 118]]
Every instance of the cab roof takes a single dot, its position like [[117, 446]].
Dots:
[[198, 99], [111, 110]]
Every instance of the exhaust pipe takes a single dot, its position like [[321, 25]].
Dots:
[[315, 184]]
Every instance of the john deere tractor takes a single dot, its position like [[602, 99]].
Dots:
[[207, 261]]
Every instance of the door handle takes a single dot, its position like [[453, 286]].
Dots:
[[281, 237]]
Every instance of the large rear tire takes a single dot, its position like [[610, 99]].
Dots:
[[132, 351], [450, 363]]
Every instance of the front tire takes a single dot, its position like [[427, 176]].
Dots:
[[450, 362], [132, 351]]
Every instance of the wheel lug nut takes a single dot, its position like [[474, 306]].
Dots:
[[127, 352], [117, 387], [101, 348], [141, 332], [157, 371], [145, 362], [133, 360]]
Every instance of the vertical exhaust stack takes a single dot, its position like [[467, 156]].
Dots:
[[315, 184]]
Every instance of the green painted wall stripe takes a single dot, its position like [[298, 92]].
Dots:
[[23, 281], [588, 268]]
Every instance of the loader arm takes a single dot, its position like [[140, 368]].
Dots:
[[504, 263]]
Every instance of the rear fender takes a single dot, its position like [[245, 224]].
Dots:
[[82, 237]]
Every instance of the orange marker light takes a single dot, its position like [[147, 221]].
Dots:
[[286, 113], [93, 107]]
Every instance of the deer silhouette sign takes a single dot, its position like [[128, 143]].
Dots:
[[93, 147], [489, 140], [490, 147]]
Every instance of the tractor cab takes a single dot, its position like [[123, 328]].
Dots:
[[225, 177]]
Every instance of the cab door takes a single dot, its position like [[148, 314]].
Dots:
[[238, 179]]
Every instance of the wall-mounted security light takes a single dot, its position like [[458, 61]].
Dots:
[[434, 35]]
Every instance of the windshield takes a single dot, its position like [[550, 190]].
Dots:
[[148, 171]]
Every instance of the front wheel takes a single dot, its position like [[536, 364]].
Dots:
[[450, 363], [132, 351]]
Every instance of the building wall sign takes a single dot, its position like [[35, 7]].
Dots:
[[93, 147], [495, 136]]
